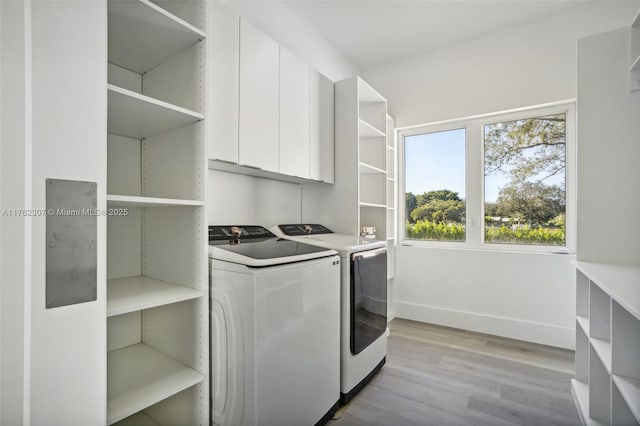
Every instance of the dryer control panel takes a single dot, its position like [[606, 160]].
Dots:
[[298, 229]]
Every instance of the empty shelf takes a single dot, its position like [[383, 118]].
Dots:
[[135, 201], [368, 169], [584, 323], [142, 35], [366, 130], [603, 349], [138, 419], [136, 293], [363, 204], [630, 390], [138, 116], [139, 376]]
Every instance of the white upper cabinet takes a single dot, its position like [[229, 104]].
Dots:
[[259, 99], [223, 88], [320, 127], [294, 115]]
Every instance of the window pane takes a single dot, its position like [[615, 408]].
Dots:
[[524, 168], [435, 186]]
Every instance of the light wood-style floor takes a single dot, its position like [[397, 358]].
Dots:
[[443, 376]]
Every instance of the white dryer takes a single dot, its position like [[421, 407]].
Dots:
[[363, 342], [275, 329]]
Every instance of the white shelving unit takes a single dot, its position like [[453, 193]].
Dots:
[[360, 188], [157, 288], [607, 384], [634, 54], [372, 155]]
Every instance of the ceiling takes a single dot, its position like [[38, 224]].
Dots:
[[371, 33]]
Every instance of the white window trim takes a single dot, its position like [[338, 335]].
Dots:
[[474, 177]]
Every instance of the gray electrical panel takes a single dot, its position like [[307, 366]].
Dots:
[[71, 242]]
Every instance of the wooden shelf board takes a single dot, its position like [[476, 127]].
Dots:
[[136, 293], [603, 349], [369, 169], [138, 116], [135, 201], [364, 204], [139, 376], [143, 35], [620, 282], [366, 130], [584, 323], [629, 388]]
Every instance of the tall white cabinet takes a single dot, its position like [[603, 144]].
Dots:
[[157, 325], [606, 388]]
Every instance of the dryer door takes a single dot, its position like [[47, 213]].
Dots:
[[368, 306]]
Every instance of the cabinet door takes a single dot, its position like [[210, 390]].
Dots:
[[223, 67], [259, 105], [294, 115], [320, 127]]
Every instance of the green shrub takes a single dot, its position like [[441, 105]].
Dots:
[[524, 235], [429, 230]]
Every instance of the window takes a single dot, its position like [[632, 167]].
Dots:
[[501, 181], [435, 185], [524, 181]]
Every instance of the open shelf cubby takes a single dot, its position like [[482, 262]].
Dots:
[[373, 187], [374, 216], [372, 151], [582, 355]]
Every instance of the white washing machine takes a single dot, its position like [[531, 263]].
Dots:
[[363, 342], [275, 329]]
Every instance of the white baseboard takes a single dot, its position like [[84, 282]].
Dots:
[[546, 334]]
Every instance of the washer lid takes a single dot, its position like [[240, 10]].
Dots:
[[256, 247]]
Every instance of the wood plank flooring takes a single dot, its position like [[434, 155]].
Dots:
[[443, 376]]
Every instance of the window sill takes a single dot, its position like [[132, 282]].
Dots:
[[496, 248]]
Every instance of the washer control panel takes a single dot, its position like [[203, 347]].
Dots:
[[238, 232], [298, 229]]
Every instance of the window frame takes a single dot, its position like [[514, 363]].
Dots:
[[474, 177]]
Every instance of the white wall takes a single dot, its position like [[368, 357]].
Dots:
[[519, 295], [518, 67], [234, 199]]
